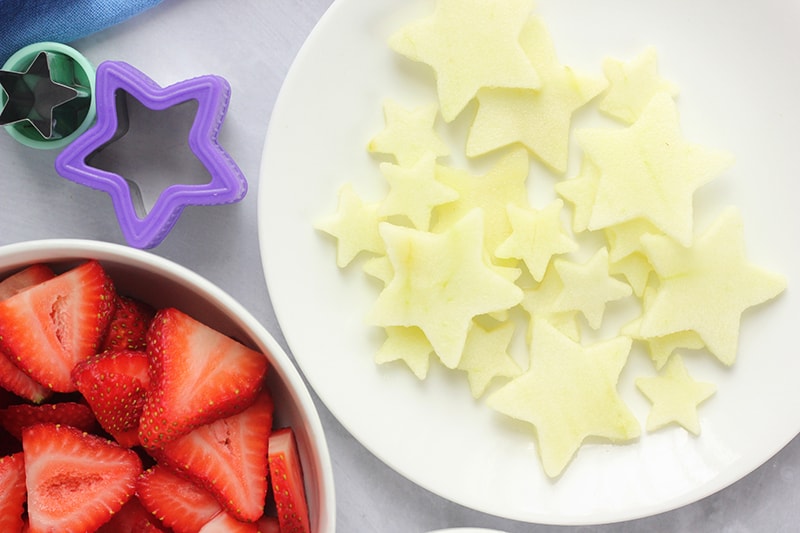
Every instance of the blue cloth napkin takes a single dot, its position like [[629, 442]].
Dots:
[[23, 22]]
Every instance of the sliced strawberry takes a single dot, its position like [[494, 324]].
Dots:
[[228, 458], [15, 380], [11, 377], [75, 480], [132, 518], [17, 417], [225, 523], [12, 495], [52, 326], [115, 384], [174, 500], [286, 474], [27, 277], [129, 324], [268, 524], [197, 375]]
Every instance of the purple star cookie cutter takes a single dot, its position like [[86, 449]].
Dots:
[[211, 94]]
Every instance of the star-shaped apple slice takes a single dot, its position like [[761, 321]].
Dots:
[[635, 268], [539, 303], [227, 184], [707, 287], [486, 356], [409, 133], [354, 226], [414, 191], [409, 345], [650, 171], [503, 184], [660, 348], [470, 44], [581, 191], [675, 396], [537, 236], [632, 84], [588, 287], [569, 393], [538, 119], [441, 281]]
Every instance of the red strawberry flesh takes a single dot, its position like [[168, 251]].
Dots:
[[15, 380], [132, 518], [129, 325], [229, 458], [286, 475], [12, 495], [17, 417], [11, 377], [115, 384], [50, 327], [197, 375], [75, 481], [25, 278], [176, 501]]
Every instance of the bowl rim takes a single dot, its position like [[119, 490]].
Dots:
[[19, 254]]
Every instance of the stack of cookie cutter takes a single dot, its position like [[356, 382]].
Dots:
[[47, 106]]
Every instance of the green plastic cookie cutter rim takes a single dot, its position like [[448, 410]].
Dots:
[[71, 69]]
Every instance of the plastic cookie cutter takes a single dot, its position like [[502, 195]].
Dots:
[[47, 95], [117, 82]]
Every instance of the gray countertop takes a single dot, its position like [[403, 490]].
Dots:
[[252, 43]]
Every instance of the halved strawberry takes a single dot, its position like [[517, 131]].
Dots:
[[225, 523], [52, 326], [197, 375], [286, 475], [75, 480], [175, 501], [17, 417], [27, 277], [12, 494], [228, 458], [129, 324], [115, 384], [132, 518], [11, 377], [15, 380]]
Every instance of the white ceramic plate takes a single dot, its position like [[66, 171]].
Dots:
[[735, 65]]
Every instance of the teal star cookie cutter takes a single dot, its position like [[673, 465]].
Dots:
[[227, 184], [46, 95]]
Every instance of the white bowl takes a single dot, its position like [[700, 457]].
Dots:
[[161, 283]]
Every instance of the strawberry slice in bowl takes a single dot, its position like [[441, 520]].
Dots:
[[198, 375], [25, 278], [286, 475], [12, 378], [13, 493], [75, 481], [129, 324], [175, 501], [15, 418], [228, 458], [114, 384], [50, 327]]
